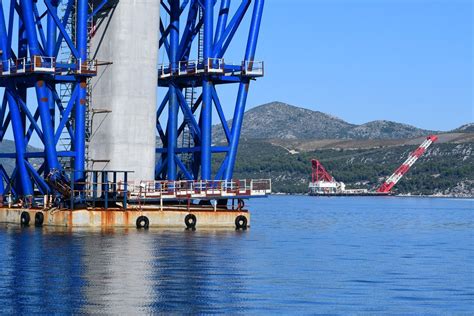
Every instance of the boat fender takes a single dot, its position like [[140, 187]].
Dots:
[[39, 219], [143, 222], [241, 204], [241, 222], [190, 221], [24, 219]]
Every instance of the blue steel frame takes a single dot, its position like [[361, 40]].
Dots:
[[215, 42], [25, 116], [21, 112]]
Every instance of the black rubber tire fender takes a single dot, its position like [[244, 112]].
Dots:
[[25, 218], [190, 221], [143, 222], [39, 219], [241, 222]]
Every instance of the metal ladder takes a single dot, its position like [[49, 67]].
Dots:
[[66, 88], [89, 112], [187, 140], [200, 38]]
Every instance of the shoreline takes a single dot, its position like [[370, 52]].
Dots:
[[397, 195]]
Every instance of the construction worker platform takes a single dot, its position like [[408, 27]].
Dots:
[[108, 200]]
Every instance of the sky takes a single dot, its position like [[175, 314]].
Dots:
[[409, 61]]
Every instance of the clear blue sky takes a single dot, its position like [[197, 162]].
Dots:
[[409, 61]]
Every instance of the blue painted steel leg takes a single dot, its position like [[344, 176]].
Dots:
[[206, 112], [222, 21], [80, 110], [50, 51], [172, 127], [20, 147], [243, 89]]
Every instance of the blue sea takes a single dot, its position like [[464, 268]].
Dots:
[[302, 255]]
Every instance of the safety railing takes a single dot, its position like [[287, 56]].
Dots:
[[189, 67], [20, 65], [46, 64], [43, 63], [252, 68], [196, 189], [211, 66], [86, 66], [25, 65], [215, 65], [164, 71]]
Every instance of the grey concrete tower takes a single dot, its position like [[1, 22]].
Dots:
[[124, 92]]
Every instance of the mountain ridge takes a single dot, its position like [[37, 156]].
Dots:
[[279, 120]]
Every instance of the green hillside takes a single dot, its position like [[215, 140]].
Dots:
[[444, 169]]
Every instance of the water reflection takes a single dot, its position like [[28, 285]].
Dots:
[[190, 274], [119, 271], [37, 274]]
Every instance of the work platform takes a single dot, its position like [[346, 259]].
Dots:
[[109, 200], [193, 71], [47, 65]]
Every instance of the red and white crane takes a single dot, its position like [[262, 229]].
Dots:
[[319, 173], [403, 169]]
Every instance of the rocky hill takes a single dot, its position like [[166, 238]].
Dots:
[[277, 120], [466, 128]]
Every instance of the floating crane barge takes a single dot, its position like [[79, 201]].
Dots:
[[323, 184]]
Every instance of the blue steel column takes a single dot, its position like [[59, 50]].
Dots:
[[3, 39], [80, 108], [21, 90], [243, 89], [20, 146], [50, 51], [18, 134], [41, 89], [206, 111], [222, 20], [172, 127]]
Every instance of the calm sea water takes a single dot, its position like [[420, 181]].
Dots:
[[302, 255]]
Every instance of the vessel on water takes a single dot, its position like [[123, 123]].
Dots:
[[323, 183]]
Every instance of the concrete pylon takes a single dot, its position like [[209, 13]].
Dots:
[[124, 93]]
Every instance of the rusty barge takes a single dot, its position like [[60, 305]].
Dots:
[[109, 202]]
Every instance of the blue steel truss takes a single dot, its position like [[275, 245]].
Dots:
[[191, 84], [31, 35]]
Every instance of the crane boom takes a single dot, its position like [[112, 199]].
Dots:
[[403, 169], [319, 173]]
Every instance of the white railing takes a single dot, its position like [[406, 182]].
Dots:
[[46, 64], [215, 65], [20, 65], [188, 67], [24, 65], [162, 71], [211, 66], [43, 63], [86, 66], [252, 68], [196, 189]]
